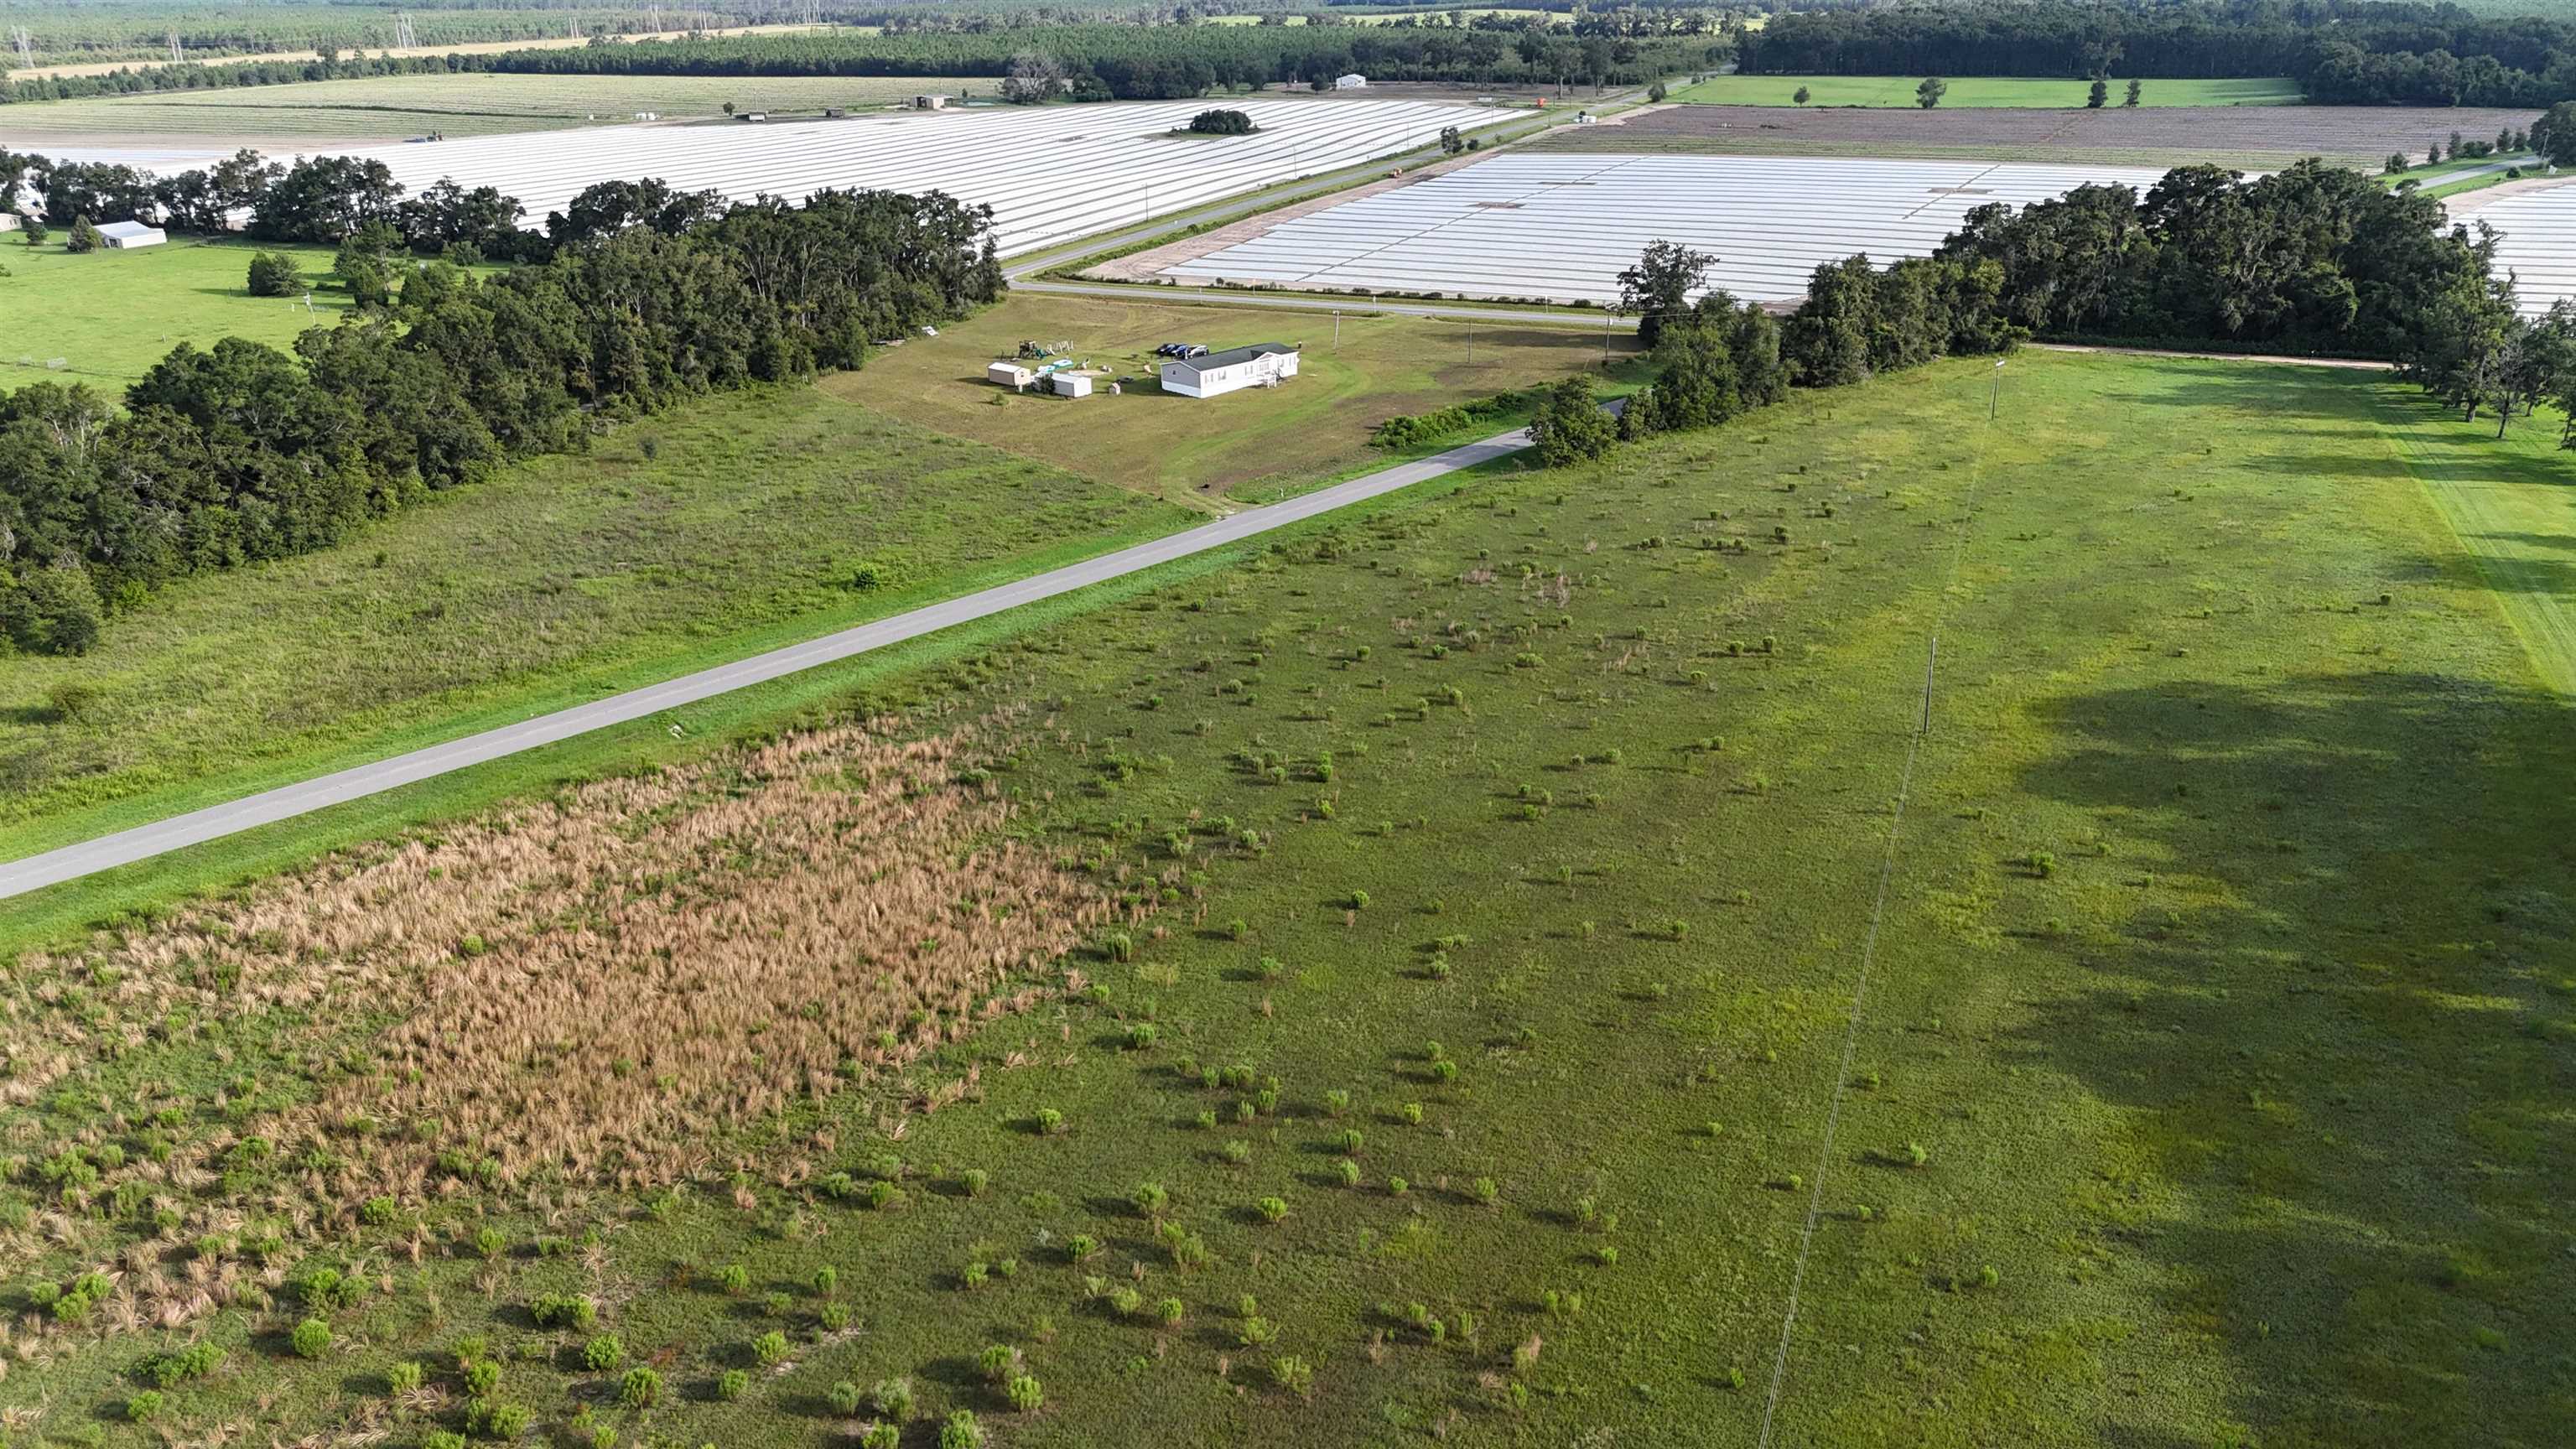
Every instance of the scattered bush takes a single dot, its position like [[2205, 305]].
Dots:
[[731, 1384], [961, 1431], [892, 1398], [1024, 1393], [406, 1377], [770, 1347], [603, 1353], [564, 1310], [1272, 1209], [144, 1407], [641, 1388], [844, 1398], [311, 1339]]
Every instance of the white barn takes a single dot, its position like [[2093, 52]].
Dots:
[[126, 235], [1210, 374]]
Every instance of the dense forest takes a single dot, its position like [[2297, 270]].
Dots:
[[244, 452], [1623, 47], [2343, 52]]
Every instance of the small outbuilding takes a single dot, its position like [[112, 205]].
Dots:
[[930, 103], [8, 221], [1350, 82], [1262, 364], [1070, 384], [127, 235], [1010, 375]]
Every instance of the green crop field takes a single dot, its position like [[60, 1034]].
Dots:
[[1251, 442], [465, 104], [109, 315], [1877, 90], [1518, 934]]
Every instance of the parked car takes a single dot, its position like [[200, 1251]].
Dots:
[[1182, 350]]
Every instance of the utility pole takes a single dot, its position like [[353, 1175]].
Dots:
[[1337, 329], [1995, 394], [174, 47], [26, 47], [404, 37]]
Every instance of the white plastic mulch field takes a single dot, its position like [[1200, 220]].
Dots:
[[1051, 175], [2538, 245], [1562, 226]]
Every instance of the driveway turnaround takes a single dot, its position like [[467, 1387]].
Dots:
[[288, 801]]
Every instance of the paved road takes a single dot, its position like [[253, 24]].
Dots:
[[286, 802]]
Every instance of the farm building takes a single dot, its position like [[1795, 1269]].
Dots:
[[1350, 83], [1010, 375], [1070, 384], [930, 103], [127, 235], [8, 221], [1260, 364]]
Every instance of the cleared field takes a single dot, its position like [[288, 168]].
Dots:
[[1480, 911], [1049, 174], [393, 108], [2539, 245], [1561, 227], [1250, 442], [108, 316], [2247, 136], [1974, 91]]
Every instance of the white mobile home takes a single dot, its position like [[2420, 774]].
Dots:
[[126, 235], [1209, 374]]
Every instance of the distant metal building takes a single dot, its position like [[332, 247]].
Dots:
[[930, 103], [1350, 83], [1070, 384], [1259, 365], [127, 235]]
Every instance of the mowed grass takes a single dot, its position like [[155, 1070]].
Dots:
[[109, 316], [1255, 441], [463, 104], [560, 579], [2200, 939], [1898, 91]]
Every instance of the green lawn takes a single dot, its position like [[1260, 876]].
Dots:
[[1873, 90], [108, 316], [461, 104], [2190, 997], [1255, 441]]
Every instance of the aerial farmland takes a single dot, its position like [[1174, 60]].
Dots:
[[1290, 733]]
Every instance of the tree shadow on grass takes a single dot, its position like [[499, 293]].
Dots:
[[2340, 1026]]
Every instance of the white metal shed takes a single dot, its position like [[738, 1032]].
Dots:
[[126, 235]]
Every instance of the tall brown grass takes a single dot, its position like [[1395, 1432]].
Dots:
[[592, 988]]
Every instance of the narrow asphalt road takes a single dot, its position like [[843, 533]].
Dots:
[[288, 801]]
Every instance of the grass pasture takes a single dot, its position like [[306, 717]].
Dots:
[[561, 578], [1978, 91], [387, 108], [2184, 978], [1253, 442], [110, 315]]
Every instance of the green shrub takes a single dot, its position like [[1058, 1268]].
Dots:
[[734, 1278], [834, 1317], [490, 1243], [603, 1353], [882, 1435], [1024, 1393], [1171, 1311], [892, 1398], [482, 1376], [564, 1310], [406, 1377], [731, 1383], [770, 1347], [961, 1431], [641, 1388], [144, 1407], [443, 1439], [1348, 1171], [311, 1339], [844, 1398], [1293, 1374], [1150, 1198], [1049, 1122], [179, 1366], [826, 1281]]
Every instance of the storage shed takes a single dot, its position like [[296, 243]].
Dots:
[[1009, 374], [1213, 373], [1350, 83], [127, 235], [930, 103], [1070, 384]]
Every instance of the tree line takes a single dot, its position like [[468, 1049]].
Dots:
[[2342, 52], [2314, 259], [644, 296], [1132, 61]]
